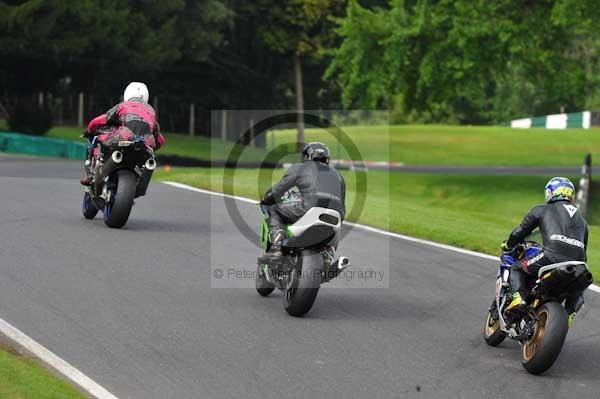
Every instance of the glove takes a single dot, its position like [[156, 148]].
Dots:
[[268, 199], [505, 248]]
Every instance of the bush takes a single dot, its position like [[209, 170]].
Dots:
[[30, 119]]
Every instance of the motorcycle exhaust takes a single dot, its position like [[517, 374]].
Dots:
[[336, 268], [117, 156], [150, 164], [341, 263], [567, 270]]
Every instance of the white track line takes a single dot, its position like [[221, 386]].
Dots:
[[199, 190], [421, 241], [592, 287], [69, 372]]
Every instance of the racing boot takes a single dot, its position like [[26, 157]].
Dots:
[[571, 319], [516, 304], [86, 180], [573, 305], [275, 254]]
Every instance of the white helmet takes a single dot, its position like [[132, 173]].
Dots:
[[136, 90]]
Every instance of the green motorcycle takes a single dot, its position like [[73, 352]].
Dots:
[[309, 250]]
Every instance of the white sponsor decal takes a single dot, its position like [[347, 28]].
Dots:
[[328, 195], [533, 260], [571, 209], [567, 240]]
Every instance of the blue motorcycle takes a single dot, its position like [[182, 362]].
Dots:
[[540, 328]]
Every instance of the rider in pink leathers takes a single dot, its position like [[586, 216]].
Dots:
[[134, 116]]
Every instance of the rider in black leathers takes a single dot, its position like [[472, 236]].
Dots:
[[317, 183], [564, 234]]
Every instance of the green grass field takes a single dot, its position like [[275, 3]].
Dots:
[[459, 145], [412, 145], [474, 212], [22, 378]]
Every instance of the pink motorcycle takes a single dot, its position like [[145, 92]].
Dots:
[[121, 167]]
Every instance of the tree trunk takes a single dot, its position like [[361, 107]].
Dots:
[[192, 126], [299, 99]]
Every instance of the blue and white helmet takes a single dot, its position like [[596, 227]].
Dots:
[[559, 188]]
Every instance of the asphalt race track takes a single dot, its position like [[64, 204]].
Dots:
[[134, 309]]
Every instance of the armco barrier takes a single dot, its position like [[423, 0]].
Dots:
[[18, 143], [581, 120], [43, 146]]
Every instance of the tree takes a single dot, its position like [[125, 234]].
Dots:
[[459, 61], [95, 41], [300, 29]]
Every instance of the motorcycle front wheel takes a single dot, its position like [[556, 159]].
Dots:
[[492, 334], [304, 284], [89, 210], [263, 287], [117, 211], [542, 350]]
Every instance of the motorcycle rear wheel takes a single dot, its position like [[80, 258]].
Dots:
[[117, 211], [300, 295], [542, 350]]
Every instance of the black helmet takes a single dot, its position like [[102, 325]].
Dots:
[[316, 151]]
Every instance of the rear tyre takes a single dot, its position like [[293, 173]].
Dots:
[[299, 297], [89, 209], [117, 211], [263, 287], [542, 350], [492, 333]]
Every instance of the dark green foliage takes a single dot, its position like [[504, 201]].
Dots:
[[218, 54], [30, 119], [298, 26], [457, 61], [103, 44], [468, 61]]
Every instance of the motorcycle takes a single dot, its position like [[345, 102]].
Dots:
[[309, 249], [540, 328], [121, 169]]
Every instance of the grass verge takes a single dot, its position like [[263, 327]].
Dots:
[[468, 211], [459, 145], [594, 203], [411, 144], [22, 378]]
